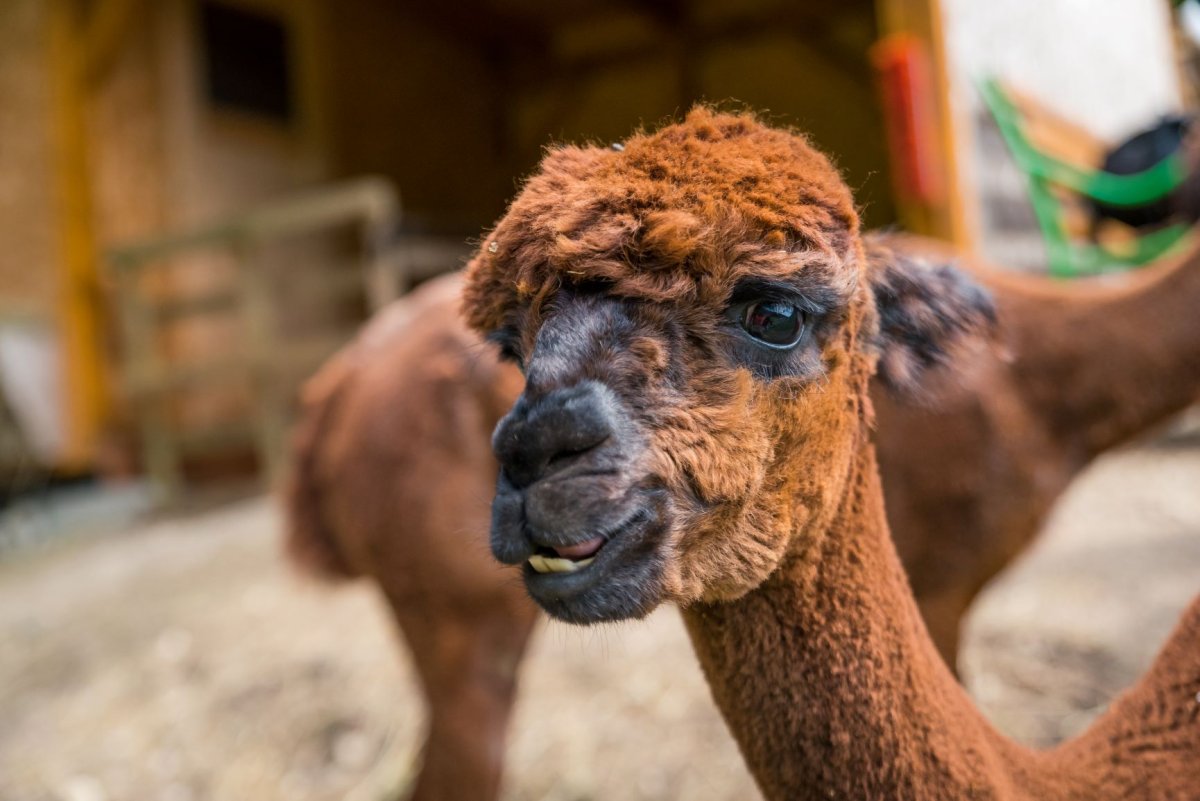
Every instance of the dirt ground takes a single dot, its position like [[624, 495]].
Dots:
[[182, 661]]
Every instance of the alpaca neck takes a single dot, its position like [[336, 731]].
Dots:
[[1105, 363], [827, 680], [833, 689]]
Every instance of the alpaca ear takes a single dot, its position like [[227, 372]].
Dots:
[[927, 309]]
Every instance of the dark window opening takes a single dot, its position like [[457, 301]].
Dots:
[[246, 61]]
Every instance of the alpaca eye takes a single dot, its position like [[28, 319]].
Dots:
[[773, 322]]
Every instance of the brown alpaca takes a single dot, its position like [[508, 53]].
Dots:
[[969, 475], [698, 324], [466, 618]]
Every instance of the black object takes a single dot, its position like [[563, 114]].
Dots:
[[1141, 152]]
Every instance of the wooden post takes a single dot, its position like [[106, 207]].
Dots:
[[146, 379], [103, 36], [923, 19], [263, 353], [85, 397], [385, 263]]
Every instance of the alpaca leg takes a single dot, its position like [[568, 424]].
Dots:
[[468, 661]]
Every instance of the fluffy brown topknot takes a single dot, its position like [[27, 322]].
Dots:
[[671, 215]]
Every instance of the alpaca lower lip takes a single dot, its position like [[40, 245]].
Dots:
[[620, 581], [573, 558]]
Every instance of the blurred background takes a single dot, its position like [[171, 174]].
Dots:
[[201, 199]]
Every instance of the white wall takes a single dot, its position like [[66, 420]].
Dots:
[[31, 382]]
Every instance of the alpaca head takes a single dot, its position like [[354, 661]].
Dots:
[[697, 318]]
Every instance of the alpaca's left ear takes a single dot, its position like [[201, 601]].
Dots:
[[927, 310]]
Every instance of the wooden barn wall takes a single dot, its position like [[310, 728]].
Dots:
[[454, 127], [127, 145], [167, 160], [416, 107], [28, 219]]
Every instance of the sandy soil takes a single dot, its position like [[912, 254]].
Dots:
[[182, 661]]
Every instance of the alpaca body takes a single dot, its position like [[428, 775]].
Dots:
[[971, 472]]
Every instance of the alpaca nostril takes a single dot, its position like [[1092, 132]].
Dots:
[[561, 429], [572, 452], [541, 458]]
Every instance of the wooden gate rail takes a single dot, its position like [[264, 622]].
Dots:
[[150, 380]]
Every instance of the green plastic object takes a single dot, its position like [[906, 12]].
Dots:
[[1069, 258]]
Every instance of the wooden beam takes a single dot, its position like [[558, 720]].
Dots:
[[480, 26], [809, 29], [950, 219], [103, 34], [85, 399]]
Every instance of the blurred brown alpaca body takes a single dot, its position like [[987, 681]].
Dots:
[[970, 474], [392, 480], [739, 478], [396, 474]]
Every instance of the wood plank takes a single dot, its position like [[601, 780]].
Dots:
[[1054, 134], [85, 396]]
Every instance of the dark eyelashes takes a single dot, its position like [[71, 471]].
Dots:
[[810, 302]]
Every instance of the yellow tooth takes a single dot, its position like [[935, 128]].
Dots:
[[558, 565], [554, 564]]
